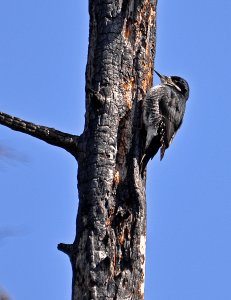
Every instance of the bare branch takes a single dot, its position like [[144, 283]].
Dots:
[[49, 135], [66, 248]]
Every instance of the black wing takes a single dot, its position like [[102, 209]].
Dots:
[[172, 109]]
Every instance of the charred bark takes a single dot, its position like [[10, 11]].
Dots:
[[108, 253]]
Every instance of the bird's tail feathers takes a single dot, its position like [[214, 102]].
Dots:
[[149, 153], [162, 151], [143, 163]]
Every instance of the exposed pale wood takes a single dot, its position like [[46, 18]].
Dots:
[[108, 253], [109, 249]]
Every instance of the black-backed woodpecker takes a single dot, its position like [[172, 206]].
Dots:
[[163, 112]]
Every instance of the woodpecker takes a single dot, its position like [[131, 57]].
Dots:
[[163, 112]]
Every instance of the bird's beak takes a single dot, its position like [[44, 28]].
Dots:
[[167, 80], [158, 74], [163, 79]]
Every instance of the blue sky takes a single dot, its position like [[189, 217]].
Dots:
[[43, 52]]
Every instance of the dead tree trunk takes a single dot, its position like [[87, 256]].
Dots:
[[108, 253]]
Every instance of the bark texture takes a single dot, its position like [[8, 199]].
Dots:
[[49, 135], [108, 253]]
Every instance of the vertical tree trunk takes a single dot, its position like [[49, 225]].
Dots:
[[108, 254]]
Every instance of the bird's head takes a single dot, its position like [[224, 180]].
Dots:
[[178, 83]]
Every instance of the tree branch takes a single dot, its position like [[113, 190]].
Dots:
[[49, 135]]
